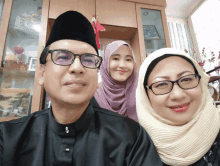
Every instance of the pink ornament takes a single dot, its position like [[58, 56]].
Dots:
[[18, 49], [201, 64]]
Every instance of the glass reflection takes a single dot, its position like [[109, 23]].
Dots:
[[2, 2], [20, 57], [153, 30]]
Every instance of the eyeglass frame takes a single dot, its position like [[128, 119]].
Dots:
[[173, 82], [74, 55]]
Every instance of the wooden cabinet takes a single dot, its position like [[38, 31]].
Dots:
[[86, 7], [150, 2], [117, 13]]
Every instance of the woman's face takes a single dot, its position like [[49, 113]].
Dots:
[[178, 106], [121, 64]]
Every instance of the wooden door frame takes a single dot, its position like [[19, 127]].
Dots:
[[4, 27], [38, 90], [140, 26]]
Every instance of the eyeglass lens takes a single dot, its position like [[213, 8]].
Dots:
[[186, 82], [65, 58]]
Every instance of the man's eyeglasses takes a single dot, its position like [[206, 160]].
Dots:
[[66, 58], [186, 82]]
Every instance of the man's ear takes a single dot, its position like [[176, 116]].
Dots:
[[41, 74]]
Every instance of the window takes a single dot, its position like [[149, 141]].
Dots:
[[180, 36], [206, 26]]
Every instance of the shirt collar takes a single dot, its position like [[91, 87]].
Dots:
[[73, 128]]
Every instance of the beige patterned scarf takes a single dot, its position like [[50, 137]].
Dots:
[[179, 145]]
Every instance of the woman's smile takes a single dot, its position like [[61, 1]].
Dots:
[[121, 71], [180, 108]]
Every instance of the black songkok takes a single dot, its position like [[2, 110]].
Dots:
[[72, 25]]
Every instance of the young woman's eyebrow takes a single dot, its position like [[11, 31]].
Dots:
[[115, 55], [178, 75], [129, 56]]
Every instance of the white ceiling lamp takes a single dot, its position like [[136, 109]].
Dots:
[[145, 13]]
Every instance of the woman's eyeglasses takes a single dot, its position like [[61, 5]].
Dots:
[[66, 58], [186, 82]]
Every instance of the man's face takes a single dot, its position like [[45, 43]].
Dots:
[[73, 84]]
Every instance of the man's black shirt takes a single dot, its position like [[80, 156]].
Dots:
[[98, 138]]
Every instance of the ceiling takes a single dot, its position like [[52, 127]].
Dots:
[[181, 8]]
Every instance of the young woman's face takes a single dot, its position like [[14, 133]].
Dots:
[[179, 105], [121, 64]]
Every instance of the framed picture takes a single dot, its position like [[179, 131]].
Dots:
[[150, 32], [32, 64], [14, 102]]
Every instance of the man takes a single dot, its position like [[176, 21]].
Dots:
[[73, 132]]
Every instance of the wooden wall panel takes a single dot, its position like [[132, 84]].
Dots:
[[165, 28], [49, 27], [134, 42], [111, 32], [150, 2], [116, 32], [86, 7], [4, 27], [117, 13], [7, 118], [140, 33]]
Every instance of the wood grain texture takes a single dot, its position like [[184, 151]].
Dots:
[[150, 2], [116, 32], [4, 27], [134, 42], [140, 33], [8, 119], [111, 32], [86, 7], [49, 27], [117, 13], [165, 28]]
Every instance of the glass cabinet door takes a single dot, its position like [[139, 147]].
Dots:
[[19, 59], [153, 30]]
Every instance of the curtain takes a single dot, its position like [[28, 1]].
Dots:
[[179, 35]]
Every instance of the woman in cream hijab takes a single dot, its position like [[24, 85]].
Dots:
[[176, 109]]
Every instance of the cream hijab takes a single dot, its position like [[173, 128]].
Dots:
[[179, 145]]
